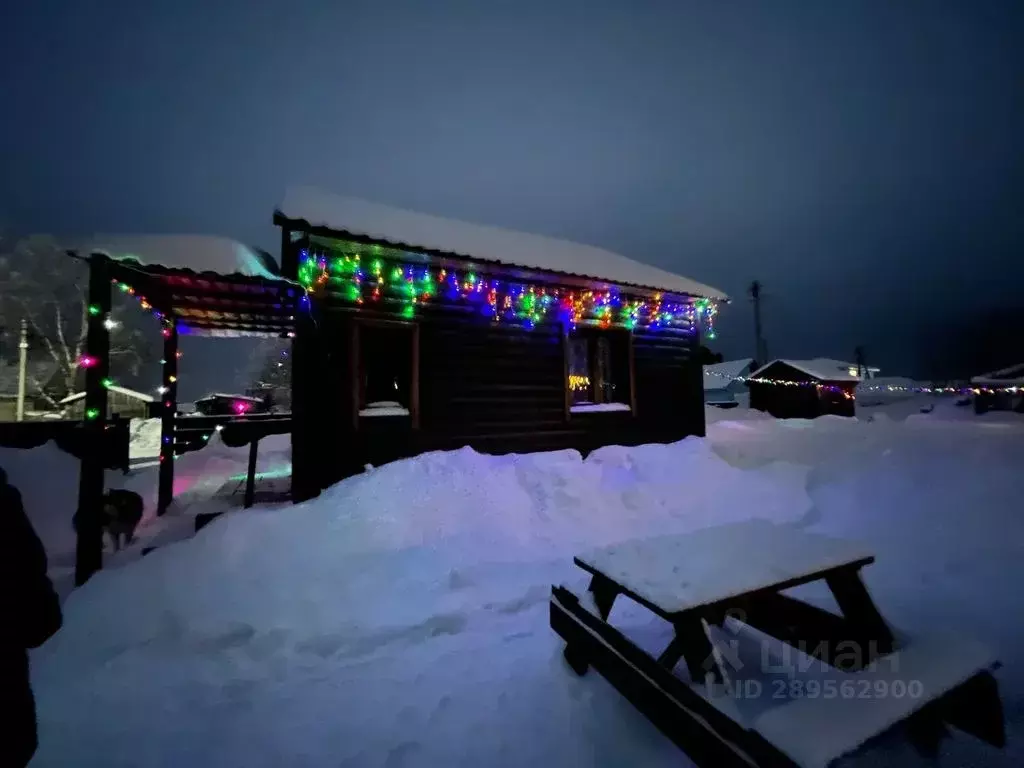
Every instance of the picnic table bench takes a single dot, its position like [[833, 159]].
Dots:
[[736, 573]]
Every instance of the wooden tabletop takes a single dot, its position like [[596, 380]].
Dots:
[[681, 572]]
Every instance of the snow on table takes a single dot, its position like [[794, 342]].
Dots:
[[680, 572], [815, 731]]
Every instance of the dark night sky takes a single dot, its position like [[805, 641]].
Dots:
[[865, 160]]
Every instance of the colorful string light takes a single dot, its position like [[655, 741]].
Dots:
[[501, 300]]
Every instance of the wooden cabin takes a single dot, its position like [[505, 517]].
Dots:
[[802, 389], [419, 333]]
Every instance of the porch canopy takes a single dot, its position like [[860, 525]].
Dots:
[[208, 286], [195, 285]]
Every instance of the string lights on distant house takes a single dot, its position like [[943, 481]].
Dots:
[[972, 390], [377, 280]]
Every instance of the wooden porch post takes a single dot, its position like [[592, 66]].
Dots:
[[168, 408], [306, 475], [96, 361], [695, 385]]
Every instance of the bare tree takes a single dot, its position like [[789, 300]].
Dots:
[[42, 284], [272, 372]]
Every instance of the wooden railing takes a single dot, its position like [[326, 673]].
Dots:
[[71, 437], [191, 433]]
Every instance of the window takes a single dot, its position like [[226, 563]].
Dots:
[[386, 372], [599, 371]]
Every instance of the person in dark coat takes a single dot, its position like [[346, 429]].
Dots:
[[29, 616]]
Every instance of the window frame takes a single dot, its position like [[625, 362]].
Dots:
[[593, 335], [356, 366]]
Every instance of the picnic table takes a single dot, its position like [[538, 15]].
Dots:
[[737, 574]]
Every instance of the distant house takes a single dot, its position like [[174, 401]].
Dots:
[[803, 389], [724, 381], [126, 403], [1001, 390], [220, 404]]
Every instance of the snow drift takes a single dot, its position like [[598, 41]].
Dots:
[[395, 533], [401, 619]]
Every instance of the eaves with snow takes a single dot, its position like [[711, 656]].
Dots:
[[1004, 377], [822, 368], [419, 232], [194, 253]]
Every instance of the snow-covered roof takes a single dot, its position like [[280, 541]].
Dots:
[[421, 231], [1013, 375], [197, 253], [225, 396], [822, 368], [722, 374], [112, 388], [844, 365]]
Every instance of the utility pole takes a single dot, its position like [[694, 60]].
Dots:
[[858, 353], [760, 348], [22, 369]]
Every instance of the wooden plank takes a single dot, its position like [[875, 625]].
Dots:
[[307, 419], [696, 726], [386, 322], [355, 373], [168, 410], [814, 631], [89, 536], [632, 375], [936, 666], [691, 643], [859, 609], [604, 593], [723, 562], [975, 708], [567, 397], [250, 475], [414, 388]]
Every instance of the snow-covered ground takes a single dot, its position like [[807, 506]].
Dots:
[[401, 619], [209, 480], [145, 439]]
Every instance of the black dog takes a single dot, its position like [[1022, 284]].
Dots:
[[122, 511]]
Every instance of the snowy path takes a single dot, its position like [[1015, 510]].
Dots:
[[401, 619]]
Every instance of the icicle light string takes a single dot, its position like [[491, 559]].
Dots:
[[376, 280]]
